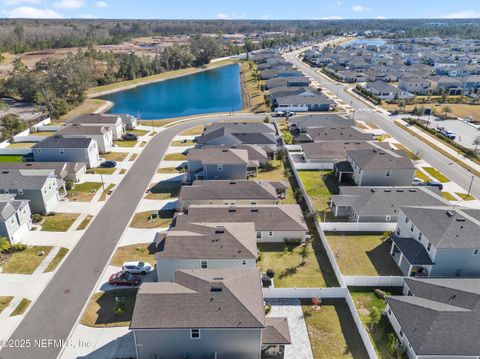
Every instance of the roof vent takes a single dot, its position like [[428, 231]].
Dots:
[[232, 182], [388, 190], [400, 190], [215, 289], [254, 210], [220, 229], [224, 150], [372, 190], [232, 209], [412, 190], [217, 278], [449, 214], [5, 172], [461, 219]]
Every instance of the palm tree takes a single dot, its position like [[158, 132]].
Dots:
[[476, 142], [446, 110]]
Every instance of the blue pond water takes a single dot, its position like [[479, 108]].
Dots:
[[217, 90]]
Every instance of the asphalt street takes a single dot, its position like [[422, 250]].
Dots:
[[56, 311], [363, 112]]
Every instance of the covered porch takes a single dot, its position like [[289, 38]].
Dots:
[[411, 257], [343, 171]]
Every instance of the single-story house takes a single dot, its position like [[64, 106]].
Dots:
[[231, 193], [301, 103], [301, 123], [206, 313], [67, 149], [15, 219], [300, 81], [439, 241]]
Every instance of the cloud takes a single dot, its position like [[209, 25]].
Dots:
[[380, 17], [87, 16], [360, 8], [265, 17], [101, 4], [222, 16], [339, 3], [232, 16], [17, 2], [32, 12], [333, 17], [467, 14], [70, 4]]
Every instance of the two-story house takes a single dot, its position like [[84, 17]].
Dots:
[[437, 241], [101, 134], [114, 122], [67, 149], [15, 219]]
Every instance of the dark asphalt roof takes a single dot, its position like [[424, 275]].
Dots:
[[20, 179], [334, 150], [58, 141], [340, 133], [77, 129], [94, 118], [218, 155], [202, 298], [413, 250], [315, 99], [381, 159], [255, 152], [277, 331], [323, 120]]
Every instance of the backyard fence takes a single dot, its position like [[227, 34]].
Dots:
[[374, 281], [305, 293], [358, 226]]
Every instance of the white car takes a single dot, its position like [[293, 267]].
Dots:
[[417, 181], [137, 267]]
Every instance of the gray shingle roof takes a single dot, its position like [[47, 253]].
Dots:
[[226, 190], [447, 226], [381, 159], [335, 150], [337, 134], [201, 240], [255, 152], [18, 179], [77, 129], [8, 205], [240, 127], [413, 250], [277, 331], [441, 317], [385, 201], [315, 99], [94, 118], [218, 155], [324, 120], [266, 218], [58, 141], [203, 298]]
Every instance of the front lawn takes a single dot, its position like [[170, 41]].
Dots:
[[294, 265], [183, 143], [21, 307], [332, 331], [164, 190], [115, 156], [436, 173], [60, 222], [175, 157], [369, 308], [4, 302], [422, 176], [179, 169], [104, 171], [62, 252], [194, 131], [152, 219], [136, 252], [100, 311], [139, 133], [465, 196], [362, 254], [84, 192], [124, 143], [104, 195], [26, 261], [11, 158], [22, 145], [448, 196], [84, 223]]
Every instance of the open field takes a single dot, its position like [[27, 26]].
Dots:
[[458, 110], [90, 105]]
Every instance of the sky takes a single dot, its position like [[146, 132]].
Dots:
[[240, 9]]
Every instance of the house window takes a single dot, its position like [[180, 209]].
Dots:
[[388, 218], [401, 334], [203, 264], [270, 234], [259, 235], [244, 262], [476, 252], [12, 220], [220, 167], [420, 236], [406, 219], [194, 333], [388, 173], [411, 228], [429, 245], [7, 191], [62, 151], [20, 191]]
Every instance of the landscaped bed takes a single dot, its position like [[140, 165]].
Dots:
[[144, 252], [25, 261], [59, 222], [110, 309], [370, 308], [332, 331], [362, 254], [152, 219], [294, 265]]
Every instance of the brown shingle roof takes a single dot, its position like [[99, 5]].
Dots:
[[277, 331]]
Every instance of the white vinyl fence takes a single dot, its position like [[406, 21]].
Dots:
[[374, 281], [358, 226]]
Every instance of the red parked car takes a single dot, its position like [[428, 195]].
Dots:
[[124, 278]]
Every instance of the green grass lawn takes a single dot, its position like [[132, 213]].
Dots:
[[104, 195], [152, 219], [465, 196], [62, 252], [11, 158], [124, 143], [436, 173], [99, 312], [362, 254], [175, 157], [26, 261], [164, 190], [44, 133], [87, 186], [369, 306], [21, 307], [22, 145], [60, 222], [139, 133], [136, 252], [332, 331], [84, 223], [172, 170], [183, 143], [84, 192], [277, 173], [286, 262], [422, 176], [115, 156], [104, 171], [4, 302], [448, 196]]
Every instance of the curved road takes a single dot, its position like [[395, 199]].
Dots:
[[57, 309], [452, 170]]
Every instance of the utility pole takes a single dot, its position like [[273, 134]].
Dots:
[[103, 183], [470, 187]]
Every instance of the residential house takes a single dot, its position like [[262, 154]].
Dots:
[[437, 317], [220, 164], [279, 72], [381, 204], [97, 119], [387, 92], [202, 245], [377, 167], [290, 91], [101, 134], [301, 103], [273, 223], [15, 219], [40, 189], [287, 81], [255, 152], [231, 193], [338, 133], [416, 85], [440, 241], [261, 134], [302, 123], [67, 149], [64, 171], [206, 313]]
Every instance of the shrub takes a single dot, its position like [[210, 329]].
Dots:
[[37, 218], [268, 308], [287, 137], [4, 244], [17, 247], [379, 293], [69, 185], [119, 309]]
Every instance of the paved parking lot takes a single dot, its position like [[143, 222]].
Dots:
[[465, 132]]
